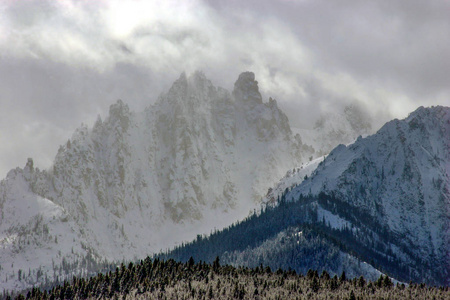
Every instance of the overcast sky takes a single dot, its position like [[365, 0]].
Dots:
[[64, 62]]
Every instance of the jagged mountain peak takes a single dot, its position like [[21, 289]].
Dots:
[[199, 77], [193, 89], [199, 84], [137, 182], [119, 108], [425, 132], [429, 117], [119, 115], [437, 110], [246, 88], [29, 167], [196, 85]]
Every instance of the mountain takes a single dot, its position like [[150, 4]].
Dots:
[[379, 204], [199, 158], [337, 127], [399, 178]]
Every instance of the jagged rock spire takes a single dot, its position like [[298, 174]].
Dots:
[[246, 88]]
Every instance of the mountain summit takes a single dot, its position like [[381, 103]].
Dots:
[[246, 88], [199, 158]]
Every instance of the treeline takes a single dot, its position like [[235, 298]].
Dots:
[[366, 241], [159, 279], [85, 266], [249, 233]]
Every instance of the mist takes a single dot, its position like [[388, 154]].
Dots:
[[62, 63]]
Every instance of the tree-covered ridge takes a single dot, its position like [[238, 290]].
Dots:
[[293, 235], [159, 279]]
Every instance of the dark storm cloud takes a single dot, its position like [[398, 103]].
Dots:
[[64, 62]]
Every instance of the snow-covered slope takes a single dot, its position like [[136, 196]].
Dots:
[[302, 251], [38, 239], [399, 178], [292, 179], [200, 158]]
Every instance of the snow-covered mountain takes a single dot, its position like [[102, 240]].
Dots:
[[337, 127], [399, 179], [201, 158], [379, 204], [198, 159]]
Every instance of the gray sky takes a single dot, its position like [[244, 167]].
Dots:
[[64, 62]]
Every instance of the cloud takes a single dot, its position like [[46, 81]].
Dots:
[[64, 62]]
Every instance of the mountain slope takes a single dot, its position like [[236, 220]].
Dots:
[[400, 178], [198, 159], [382, 200]]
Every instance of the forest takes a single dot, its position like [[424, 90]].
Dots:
[[317, 248], [159, 279]]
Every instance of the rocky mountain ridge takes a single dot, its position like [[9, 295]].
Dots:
[[199, 158], [399, 179]]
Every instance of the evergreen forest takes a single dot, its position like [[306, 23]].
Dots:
[[159, 279]]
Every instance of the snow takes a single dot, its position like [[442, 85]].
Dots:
[[400, 177], [198, 160], [332, 220], [292, 179], [136, 183], [253, 257]]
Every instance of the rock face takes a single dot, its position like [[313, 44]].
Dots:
[[198, 159], [246, 89]]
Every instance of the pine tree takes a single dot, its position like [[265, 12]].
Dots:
[[210, 293], [315, 286], [343, 277], [216, 264], [352, 295], [361, 282], [387, 282], [191, 262]]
